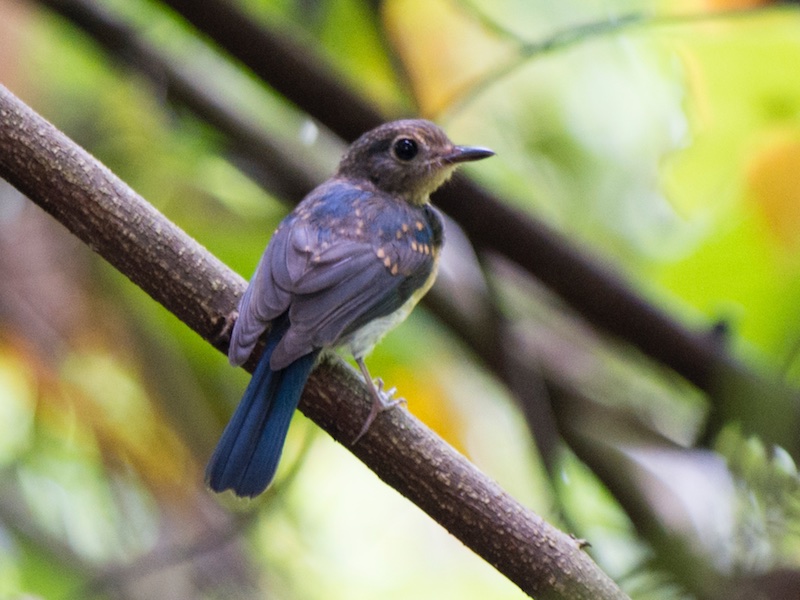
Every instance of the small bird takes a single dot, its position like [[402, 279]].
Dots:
[[346, 266]]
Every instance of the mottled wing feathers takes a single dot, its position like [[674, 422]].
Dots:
[[336, 263]]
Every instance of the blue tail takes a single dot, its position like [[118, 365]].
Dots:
[[247, 455]]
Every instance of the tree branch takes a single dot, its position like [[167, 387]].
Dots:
[[276, 58], [175, 270]]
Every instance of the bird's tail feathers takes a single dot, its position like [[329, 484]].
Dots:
[[247, 455]]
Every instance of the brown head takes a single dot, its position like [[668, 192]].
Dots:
[[408, 158]]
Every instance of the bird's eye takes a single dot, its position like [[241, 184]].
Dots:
[[405, 149]]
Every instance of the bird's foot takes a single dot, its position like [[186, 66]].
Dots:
[[384, 397], [381, 401]]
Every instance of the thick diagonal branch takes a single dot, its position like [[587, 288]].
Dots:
[[175, 270]]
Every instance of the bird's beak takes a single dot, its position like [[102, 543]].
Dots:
[[461, 154]]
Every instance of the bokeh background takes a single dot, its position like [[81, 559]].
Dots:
[[661, 138]]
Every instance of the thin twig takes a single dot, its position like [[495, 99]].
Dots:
[[570, 37]]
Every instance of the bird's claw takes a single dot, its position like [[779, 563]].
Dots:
[[385, 396], [381, 401]]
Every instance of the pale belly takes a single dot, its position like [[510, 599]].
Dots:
[[361, 341]]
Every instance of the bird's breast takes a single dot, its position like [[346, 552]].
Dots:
[[361, 341], [413, 255]]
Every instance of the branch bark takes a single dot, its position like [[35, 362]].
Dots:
[[175, 270]]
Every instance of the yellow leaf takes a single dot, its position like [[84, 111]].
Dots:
[[430, 404], [773, 184]]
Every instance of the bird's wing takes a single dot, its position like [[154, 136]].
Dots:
[[337, 290], [263, 301]]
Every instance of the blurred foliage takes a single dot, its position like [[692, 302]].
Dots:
[[662, 138], [735, 182], [768, 494]]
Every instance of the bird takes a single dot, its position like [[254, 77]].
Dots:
[[347, 265]]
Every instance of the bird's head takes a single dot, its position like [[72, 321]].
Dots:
[[408, 158]]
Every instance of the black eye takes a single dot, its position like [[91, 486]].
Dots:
[[405, 149]]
